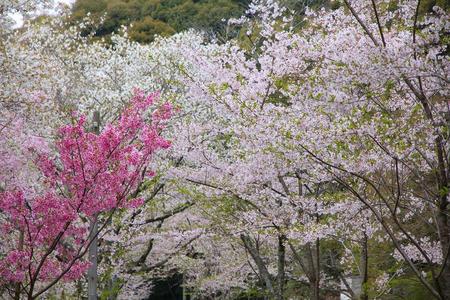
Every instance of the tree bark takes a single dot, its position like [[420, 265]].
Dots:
[[364, 268], [93, 255], [444, 234], [307, 263], [17, 287], [93, 248], [281, 267], [314, 291], [262, 269], [316, 264]]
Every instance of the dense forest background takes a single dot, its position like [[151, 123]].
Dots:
[[147, 18]]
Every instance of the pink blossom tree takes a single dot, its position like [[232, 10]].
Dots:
[[89, 174]]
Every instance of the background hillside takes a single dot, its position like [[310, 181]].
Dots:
[[148, 18], [162, 17]]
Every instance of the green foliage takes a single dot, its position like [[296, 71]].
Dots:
[[157, 17], [112, 285], [143, 31], [211, 13], [165, 17], [296, 290], [82, 7], [408, 288], [299, 6], [426, 6], [254, 292]]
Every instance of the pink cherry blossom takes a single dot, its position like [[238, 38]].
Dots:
[[90, 174]]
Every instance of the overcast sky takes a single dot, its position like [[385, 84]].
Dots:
[[18, 18]]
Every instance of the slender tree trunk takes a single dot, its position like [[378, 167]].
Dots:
[[444, 233], [444, 280], [306, 262], [314, 292], [93, 248], [312, 254], [317, 271], [281, 267], [93, 255], [364, 268], [262, 269], [317, 268], [17, 288]]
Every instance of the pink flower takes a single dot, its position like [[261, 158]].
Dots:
[[91, 174]]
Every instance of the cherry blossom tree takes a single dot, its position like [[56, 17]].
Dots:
[[378, 121], [233, 151], [335, 109], [46, 230], [296, 152]]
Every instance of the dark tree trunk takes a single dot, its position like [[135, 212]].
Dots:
[[93, 255], [444, 233], [314, 290], [316, 263], [281, 266], [17, 288], [364, 268], [262, 269]]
